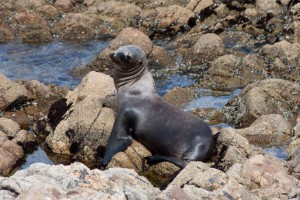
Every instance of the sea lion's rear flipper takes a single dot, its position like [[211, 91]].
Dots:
[[160, 158]]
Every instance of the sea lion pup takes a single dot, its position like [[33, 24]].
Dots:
[[168, 132]]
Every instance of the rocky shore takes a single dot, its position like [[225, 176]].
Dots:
[[224, 45]]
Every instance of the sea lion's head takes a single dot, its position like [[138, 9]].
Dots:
[[131, 63], [129, 57]]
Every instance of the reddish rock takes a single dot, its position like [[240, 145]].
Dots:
[[5, 33], [20, 117]]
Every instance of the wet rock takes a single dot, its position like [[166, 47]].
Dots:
[[268, 6], [76, 182], [270, 129], [207, 48], [270, 96], [214, 116], [85, 125], [102, 63], [5, 33], [179, 97], [294, 163], [12, 94], [27, 141], [160, 58], [166, 19], [283, 60], [32, 28], [76, 26], [256, 178], [232, 148]]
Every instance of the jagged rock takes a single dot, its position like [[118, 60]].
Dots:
[[84, 126], [294, 163], [76, 181], [269, 96], [295, 141], [259, 177]]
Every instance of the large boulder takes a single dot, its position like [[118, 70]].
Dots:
[[260, 177], [269, 96], [76, 181], [83, 127], [12, 94], [268, 6]]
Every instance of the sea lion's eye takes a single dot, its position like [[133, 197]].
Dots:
[[128, 56]]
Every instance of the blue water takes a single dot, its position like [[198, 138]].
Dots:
[[48, 63], [209, 101], [278, 152], [37, 156]]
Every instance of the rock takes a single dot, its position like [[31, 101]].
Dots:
[[173, 193], [232, 148], [214, 116], [27, 141], [269, 96], [63, 5], [179, 97], [283, 60], [23, 5], [76, 181], [268, 130], [199, 5], [43, 95], [256, 178], [132, 157], [268, 6], [9, 127], [5, 33], [12, 94], [160, 58], [32, 28], [76, 26], [102, 63], [166, 19], [294, 163], [295, 141], [20, 117], [10, 154], [83, 127], [48, 12], [207, 48]]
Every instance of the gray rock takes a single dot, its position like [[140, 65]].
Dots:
[[295, 141], [76, 181], [294, 163], [86, 125]]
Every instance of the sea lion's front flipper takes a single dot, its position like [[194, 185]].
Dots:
[[160, 158], [119, 139]]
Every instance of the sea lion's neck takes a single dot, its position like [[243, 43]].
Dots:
[[142, 85]]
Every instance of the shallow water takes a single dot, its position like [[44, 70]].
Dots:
[[47, 63], [278, 152]]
